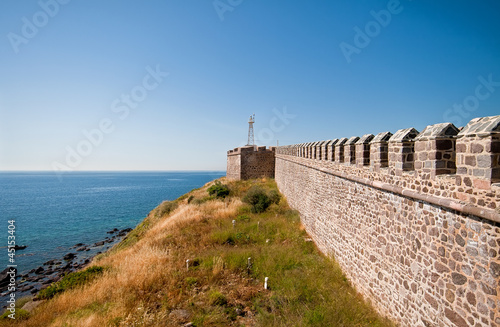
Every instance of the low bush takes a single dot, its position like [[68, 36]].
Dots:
[[218, 190], [257, 197], [217, 298], [70, 281], [20, 314], [166, 207], [274, 196]]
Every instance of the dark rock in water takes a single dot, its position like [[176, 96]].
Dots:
[[25, 288], [20, 247], [109, 241], [87, 249], [99, 243], [69, 256], [113, 231], [81, 248], [5, 276], [39, 270], [124, 232], [78, 244]]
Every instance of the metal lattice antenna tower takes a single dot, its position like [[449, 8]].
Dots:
[[251, 140]]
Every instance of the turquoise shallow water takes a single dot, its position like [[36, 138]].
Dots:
[[51, 215]]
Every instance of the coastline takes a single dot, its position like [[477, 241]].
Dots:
[[120, 200], [51, 271]]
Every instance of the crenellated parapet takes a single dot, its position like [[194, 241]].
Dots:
[[459, 164]]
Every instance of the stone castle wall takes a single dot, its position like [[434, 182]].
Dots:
[[250, 162], [413, 218]]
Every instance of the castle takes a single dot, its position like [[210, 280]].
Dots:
[[413, 218]]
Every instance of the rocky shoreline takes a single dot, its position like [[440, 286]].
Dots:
[[53, 270]]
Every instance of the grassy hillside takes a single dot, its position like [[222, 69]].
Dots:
[[146, 281]]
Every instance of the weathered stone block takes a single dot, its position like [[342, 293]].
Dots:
[[477, 146], [401, 149], [435, 150], [339, 150]]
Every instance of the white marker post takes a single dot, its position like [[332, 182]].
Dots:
[[187, 264], [234, 223], [265, 283]]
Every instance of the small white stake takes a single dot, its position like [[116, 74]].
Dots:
[[234, 222], [265, 283], [187, 264], [258, 225]]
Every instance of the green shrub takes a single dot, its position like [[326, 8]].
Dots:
[[166, 207], [202, 200], [257, 197], [217, 298], [274, 196], [243, 218], [190, 198], [70, 281], [218, 190], [20, 314]]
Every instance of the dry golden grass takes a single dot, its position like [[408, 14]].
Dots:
[[147, 283]]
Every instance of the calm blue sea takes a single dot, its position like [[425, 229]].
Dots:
[[52, 215]]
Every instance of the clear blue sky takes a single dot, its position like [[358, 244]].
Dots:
[[69, 68]]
